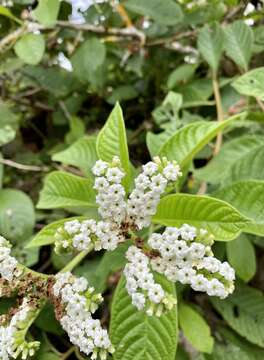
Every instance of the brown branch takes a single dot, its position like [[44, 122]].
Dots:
[[16, 165], [130, 32]]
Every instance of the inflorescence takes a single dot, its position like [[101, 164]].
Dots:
[[180, 254], [79, 302]]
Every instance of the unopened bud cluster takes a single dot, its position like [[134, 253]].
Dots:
[[79, 301], [185, 255], [145, 293], [12, 336]]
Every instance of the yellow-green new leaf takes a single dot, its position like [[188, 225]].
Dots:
[[216, 216], [195, 329], [82, 154], [62, 189], [189, 140], [112, 141]]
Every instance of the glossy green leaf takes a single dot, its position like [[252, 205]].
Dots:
[[251, 83], [82, 154], [248, 197], [138, 336], [47, 12], [165, 12], [30, 48], [241, 255], [231, 152], [216, 216], [46, 235], [244, 313], [210, 44], [112, 141], [17, 216], [88, 58], [62, 189], [189, 140], [195, 329], [238, 43]]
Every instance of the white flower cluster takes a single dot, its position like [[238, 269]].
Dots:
[[80, 235], [11, 337], [149, 186], [186, 256], [79, 302], [111, 193], [113, 207], [145, 293], [8, 264]]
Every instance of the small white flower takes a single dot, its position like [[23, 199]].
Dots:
[[99, 168]]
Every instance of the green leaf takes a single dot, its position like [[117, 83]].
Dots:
[[17, 216], [88, 58], [216, 216], [77, 130], [190, 139], [210, 44], [30, 48], [231, 152], [46, 321], [244, 313], [82, 154], [98, 272], [156, 141], [122, 92], [167, 13], [62, 189], [238, 43], [251, 83], [195, 329], [138, 336], [46, 235], [249, 167], [47, 12], [112, 141], [57, 81], [241, 255], [248, 198], [181, 74], [7, 134], [7, 13], [8, 117]]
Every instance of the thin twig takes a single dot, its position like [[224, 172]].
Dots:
[[16, 165], [131, 32], [260, 103], [65, 110], [220, 113], [68, 353]]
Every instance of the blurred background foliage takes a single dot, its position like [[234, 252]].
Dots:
[[64, 64]]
